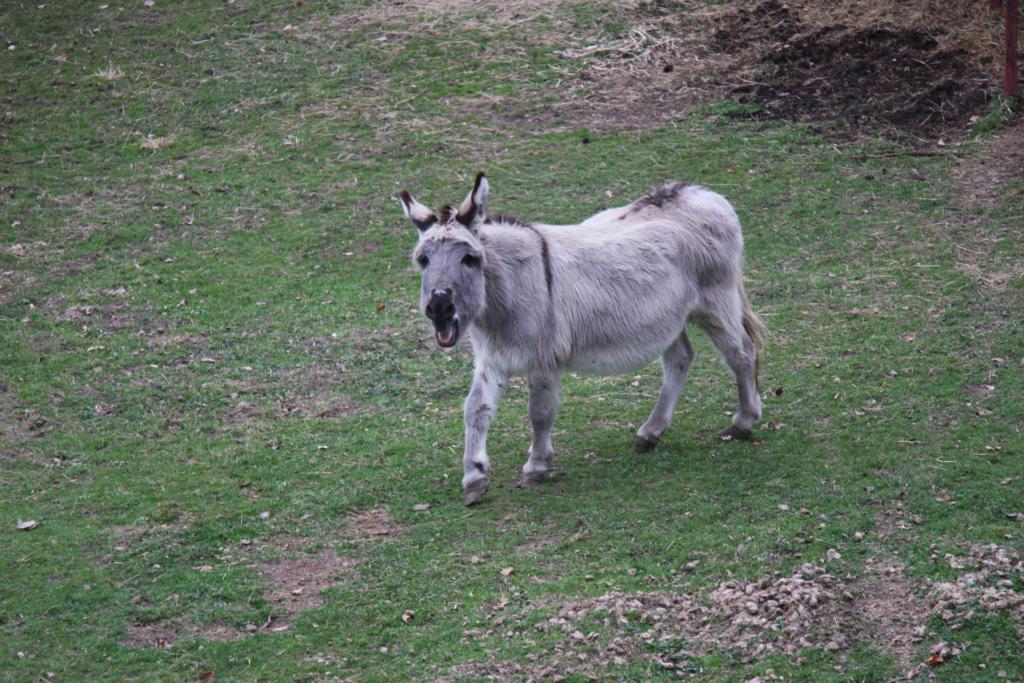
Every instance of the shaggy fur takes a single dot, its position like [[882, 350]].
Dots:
[[604, 296]]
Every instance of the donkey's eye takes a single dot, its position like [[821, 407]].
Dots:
[[423, 261], [471, 261]]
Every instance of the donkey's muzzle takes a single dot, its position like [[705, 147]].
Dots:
[[441, 311], [440, 308]]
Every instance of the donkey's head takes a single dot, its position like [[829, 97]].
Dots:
[[450, 257]]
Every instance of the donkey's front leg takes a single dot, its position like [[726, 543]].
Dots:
[[543, 406], [478, 411]]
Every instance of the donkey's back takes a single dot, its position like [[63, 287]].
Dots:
[[690, 217], [628, 279]]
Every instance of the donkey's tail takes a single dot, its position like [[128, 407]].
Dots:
[[756, 330]]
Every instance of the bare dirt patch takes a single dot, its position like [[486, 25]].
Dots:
[[127, 538], [295, 584], [317, 406], [108, 310], [888, 604], [166, 633], [373, 523], [538, 543], [989, 182], [312, 407], [308, 391], [926, 68], [18, 425], [163, 338], [753, 620], [984, 177]]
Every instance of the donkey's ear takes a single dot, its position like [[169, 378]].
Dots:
[[473, 211], [420, 215]]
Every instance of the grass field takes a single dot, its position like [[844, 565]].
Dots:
[[242, 448]]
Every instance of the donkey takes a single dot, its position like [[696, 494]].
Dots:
[[605, 296]]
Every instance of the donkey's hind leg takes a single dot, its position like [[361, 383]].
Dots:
[[723, 322], [675, 365], [543, 406]]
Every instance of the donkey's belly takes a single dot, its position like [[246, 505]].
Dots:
[[613, 361]]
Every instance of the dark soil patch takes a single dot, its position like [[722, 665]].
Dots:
[[769, 23], [868, 80]]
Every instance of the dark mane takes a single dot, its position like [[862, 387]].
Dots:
[[502, 219], [657, 198]]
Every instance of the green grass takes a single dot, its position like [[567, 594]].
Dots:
[[224, 324]]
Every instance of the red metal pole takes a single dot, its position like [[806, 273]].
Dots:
[[1012, 80]]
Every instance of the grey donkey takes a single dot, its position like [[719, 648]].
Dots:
[[605, 296]]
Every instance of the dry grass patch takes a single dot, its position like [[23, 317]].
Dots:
[[110, 73], [153, 142], [659, 70], [446, 15]]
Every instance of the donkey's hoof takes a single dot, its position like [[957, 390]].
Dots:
[[530, 480], [645, 444], [732, 432], [473, 492]]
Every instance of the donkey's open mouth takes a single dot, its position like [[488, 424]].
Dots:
[[447, 333]]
